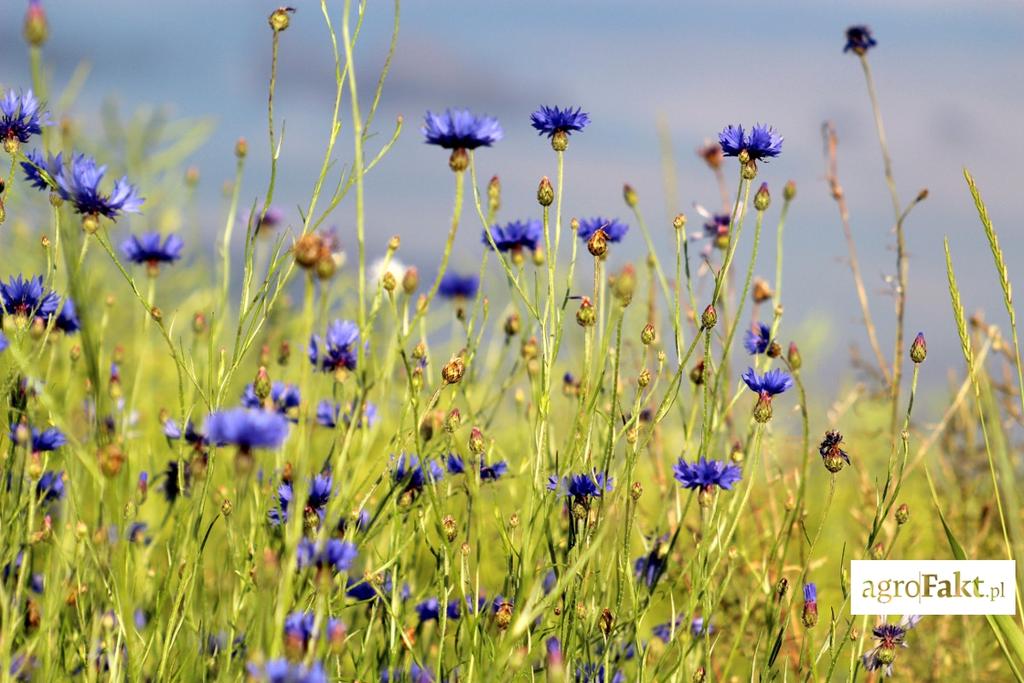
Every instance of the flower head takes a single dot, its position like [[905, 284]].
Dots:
[[649, 568], [551, 120], [50, 487], [334, 555], [460, 129], [613, 228], [409, 469], [515, 235], [758, 339], [320, 488], [28, 297], [761, 142], [770, 383], [41, 441], [148, 249], [80, 185], [888, 637], [21, 117], [455, 286], [581, 487], [705, 474], [859, 40], [67, 320], [328, 412], [247, 428], [52, 165], [831, 454], [284, 671], [284, 398], [339, 348]]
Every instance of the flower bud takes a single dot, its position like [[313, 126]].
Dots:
[[644, 378], [452, 420], [35, 28], [902, 514], [697, 373], [451, 529], [647, 335], [918, 349], [636, 490], [476, 441], [241, 148], [261, 386], [279, 19], [709, 318], [810, 614], [410, 281], [538, 257], [774, 350], [494, 195], [749, 168], [453, 370], [307, 249], [111, 459], [389, 282], [545, 192], [199, 322], [762, 200], [762, 291], [679, 222], [586, 316], [763, 408], [607, 621], [512, 325], [629, 194], [877, 551], [793, 357], [789, 191], [597, 245]]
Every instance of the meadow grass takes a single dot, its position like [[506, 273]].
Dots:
[[558, 467]]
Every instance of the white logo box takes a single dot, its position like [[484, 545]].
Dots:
[[882, 587]]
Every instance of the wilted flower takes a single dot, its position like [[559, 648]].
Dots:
[[859, 40], [831, 454]]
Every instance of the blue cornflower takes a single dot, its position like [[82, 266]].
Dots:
[[147, 249], [761, 142], [455, 286], [594, 673], [284, 671], [888, 637], [247, 428], [552, 120], [328, 412], [516, 235], [665, 631], [859, 40], [581, 487], [716, 228], [460, 129], [52, 165], [334, 555], [810, 612], [42, 441], [649, 568], [758, 339], [339, 352], [21, 117], [698, 627], [67, 320], [191, 435], [4, 342], [137, 533], [769, 384], [494, 471], [284, 398], [27, 296], [23, 668], [50, 487], [705, 474], [455, 464], [80, 185], [408, 468], [614, 229], [362, 588], [319, 495]]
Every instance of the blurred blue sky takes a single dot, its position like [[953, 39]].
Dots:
[[950, 76]]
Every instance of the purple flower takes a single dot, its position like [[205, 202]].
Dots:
[[28, 297], [4, 342], [769, 384], [52, 165], [247, 428], [319, 495], [284, 671], [284, 398], [551, 120], [148, 249], [408, 469], [888, 637], [67, 320], [21, 117], [704, 474], [460, 129], [333, 554], [649, 568], [328, 412], [761, 142], [339, 351], [455, 286], [50, 487], [758, 339], [581, 487], [80, 185], [859, 40], [613, 228], [515, 235]]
